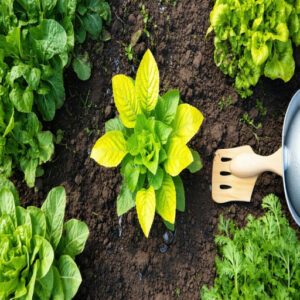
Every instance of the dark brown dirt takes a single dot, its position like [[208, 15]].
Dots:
[[118, 262]]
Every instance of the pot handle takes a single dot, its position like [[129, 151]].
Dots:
[[250, 164]]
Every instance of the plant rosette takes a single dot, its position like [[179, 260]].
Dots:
[[37, 249], [255, 38], [149, 139]]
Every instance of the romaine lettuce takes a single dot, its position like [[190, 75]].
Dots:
[[37, 249]]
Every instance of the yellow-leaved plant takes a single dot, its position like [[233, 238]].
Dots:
[[149, 138]]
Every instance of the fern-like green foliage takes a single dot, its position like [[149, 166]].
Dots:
[[259, 261]]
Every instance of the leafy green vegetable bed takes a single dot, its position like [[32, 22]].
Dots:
[[37, 41], [38, 248]]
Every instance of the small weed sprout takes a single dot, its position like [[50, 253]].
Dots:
[[225, 102], [246, 119], [129, 52], [261, 108], [146, 20]]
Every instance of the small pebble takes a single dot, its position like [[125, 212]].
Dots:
[[163, 248], [78, 179], [168, 237], [107, 111]]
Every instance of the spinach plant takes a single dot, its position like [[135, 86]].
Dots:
[[149, 139], [259, 261], [37, 41], [254, 38], [38, 248]]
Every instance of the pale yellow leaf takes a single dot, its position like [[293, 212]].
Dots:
[[125, 100], [110, 149], [187, 122], [179, 156], [147, 82], [166, 200], [145, 207]]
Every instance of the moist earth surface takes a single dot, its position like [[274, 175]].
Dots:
[[118, 261]]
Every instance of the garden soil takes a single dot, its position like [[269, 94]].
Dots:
[[118, 261]]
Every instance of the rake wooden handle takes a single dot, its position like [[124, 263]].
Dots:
[[248, 165]]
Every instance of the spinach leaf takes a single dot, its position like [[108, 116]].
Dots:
[[37, 40]]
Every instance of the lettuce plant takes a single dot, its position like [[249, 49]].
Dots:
[[37, 249], [259, 261], [37, 40], [149, 139], [254, 38]]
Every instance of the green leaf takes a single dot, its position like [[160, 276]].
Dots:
[[16, 72], [163, 131], [125, 201], [48, 5], [259, 48], [166, 200], [219, 14], [82, 9], [23, 216], [21, 99], [162, 155], [180, 194], [31, 284], [43, 287], [33, 78], [7, 184], [67, 24], [131, 175], [145, 207], [70, 276], [166, 107], [46, 106], [49, 38], [169, 225], [46, 147], [29, 168], [67, 7], [80, 35], [54, 209], [197, 163], [54, 97], [114, 125], [82, 66], [156, 180], [281, 64], [11, 123], [92, 23], [7, 203], [57, 90], [58, 291], [75, 234], [282, 32], [46, 257], [147, 82], [110, 149], [38, 221]]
